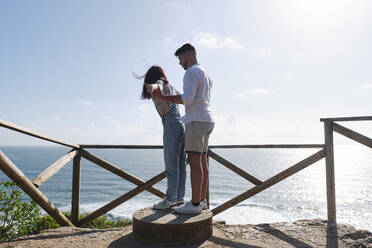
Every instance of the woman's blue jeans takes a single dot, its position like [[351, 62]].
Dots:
[[174, 154]]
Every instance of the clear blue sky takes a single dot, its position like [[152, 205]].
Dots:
[[277, 66]]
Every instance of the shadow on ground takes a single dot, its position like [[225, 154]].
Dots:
[[130, 241], [284, 237]]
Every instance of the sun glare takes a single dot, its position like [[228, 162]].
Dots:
[[322, 7], [317, 14]]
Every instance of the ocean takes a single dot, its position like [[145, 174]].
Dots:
[[301, 196]]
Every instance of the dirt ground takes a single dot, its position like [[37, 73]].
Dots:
[[303, 233]]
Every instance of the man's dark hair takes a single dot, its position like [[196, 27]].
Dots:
[[185, 48]]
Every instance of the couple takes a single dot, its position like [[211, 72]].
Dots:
[[177, 139]]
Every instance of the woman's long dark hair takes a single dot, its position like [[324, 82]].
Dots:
[[153, 74]]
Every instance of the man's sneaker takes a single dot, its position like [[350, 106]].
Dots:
[[179, 203], [188, 208], [164, 204], [204, 204]]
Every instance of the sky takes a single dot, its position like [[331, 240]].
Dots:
[[66, 67]]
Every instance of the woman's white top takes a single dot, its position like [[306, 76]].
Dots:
[[167, 90]]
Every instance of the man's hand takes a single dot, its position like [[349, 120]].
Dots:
[[157, 93], [151, 87], [154, 90]]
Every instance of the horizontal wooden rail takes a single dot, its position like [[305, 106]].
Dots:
[[101, 211], [271, 181], [34, 134], [53, 169], [234, 168], [122, 146], [270, 146], [27, 186], [356, 118], [352, 135], [117, 171], [211, 146]]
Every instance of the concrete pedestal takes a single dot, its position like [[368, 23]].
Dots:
[[164, 227]]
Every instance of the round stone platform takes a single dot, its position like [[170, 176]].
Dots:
[[165, 227]]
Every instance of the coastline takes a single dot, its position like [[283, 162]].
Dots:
[[301, 233]]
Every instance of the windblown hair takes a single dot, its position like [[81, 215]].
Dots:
[[153, 74], [185, 48]]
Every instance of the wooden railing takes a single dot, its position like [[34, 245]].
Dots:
[[331, 126], [30, 187]]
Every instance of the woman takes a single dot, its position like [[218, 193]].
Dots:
[[173, 137]]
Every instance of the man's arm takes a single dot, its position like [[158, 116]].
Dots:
[[174, 99]]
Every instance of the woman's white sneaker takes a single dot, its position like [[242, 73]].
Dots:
[[164, 204], [188, 208]]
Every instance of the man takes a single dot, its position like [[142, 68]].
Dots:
[[199, 124]]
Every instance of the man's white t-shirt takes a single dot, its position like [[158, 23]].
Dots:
[[196, 95]]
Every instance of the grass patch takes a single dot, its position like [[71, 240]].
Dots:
[[19, 217], [47, 222]]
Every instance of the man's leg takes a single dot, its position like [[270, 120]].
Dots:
[[196, 143], [204, 162], [196, 173], [205, 168], [181, 172]]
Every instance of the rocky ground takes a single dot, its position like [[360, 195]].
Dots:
[[303, 233]]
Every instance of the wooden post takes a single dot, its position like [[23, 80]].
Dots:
[[75, 199], [30, 189], [330, 172]]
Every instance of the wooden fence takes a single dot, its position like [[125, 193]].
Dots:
[[30, 187]]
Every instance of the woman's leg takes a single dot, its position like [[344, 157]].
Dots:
[[171, 151]]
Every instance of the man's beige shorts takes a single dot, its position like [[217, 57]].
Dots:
[[197, 136]]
